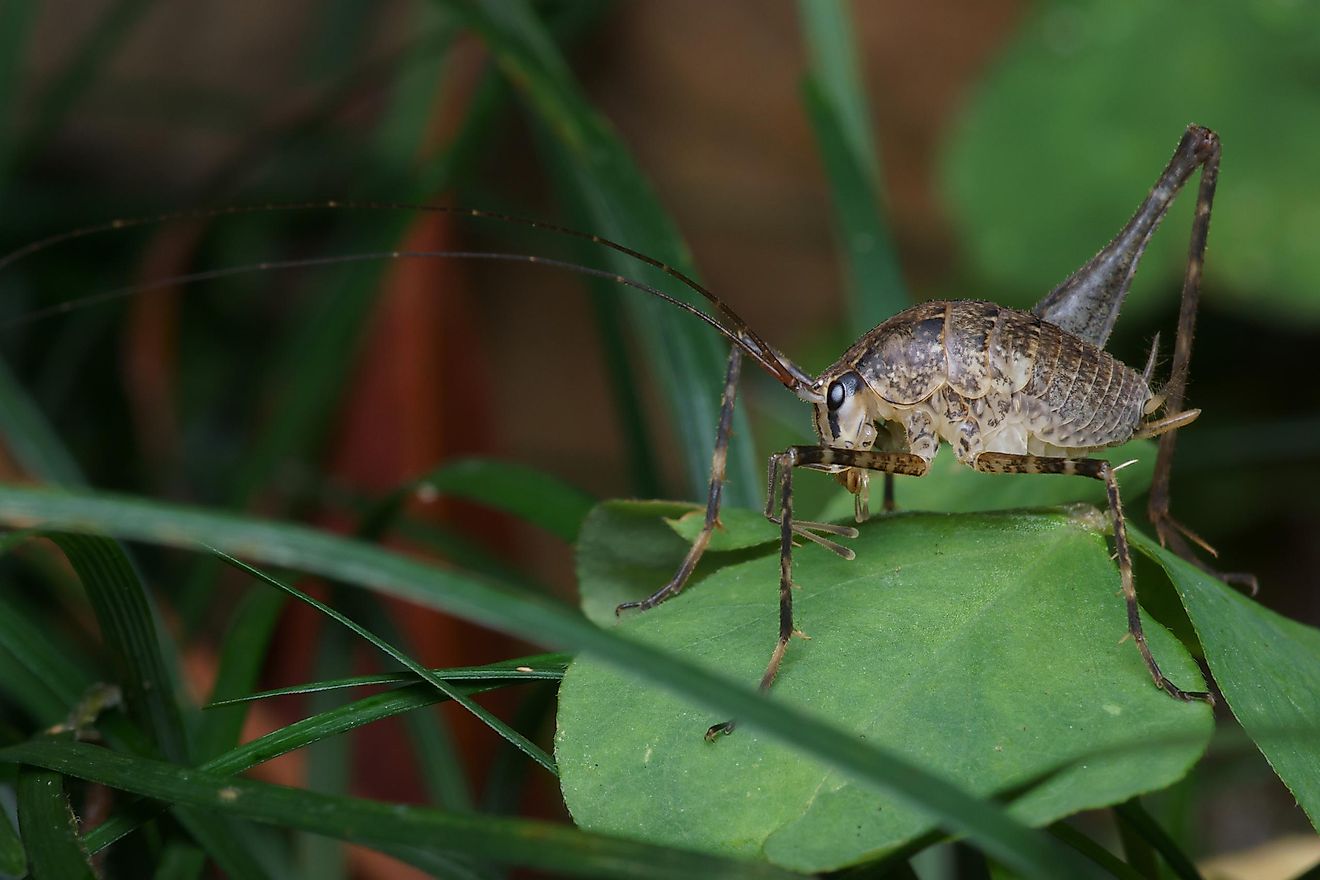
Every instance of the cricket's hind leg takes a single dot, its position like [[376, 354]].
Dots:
[[781, 485], [1096, 469], [1171, 533]]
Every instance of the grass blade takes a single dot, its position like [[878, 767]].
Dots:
[[279, 742], [551, 848], [546, 622], [1111, 863], [837, 107], [688, 360], [539, 667], [49, 827], [329, 761], [514, 738], [241, 659], [57, 683], [29, 437], [136, 644], [1133, 815], [527, 493], [132, 636], [180, 861], [13, 858]]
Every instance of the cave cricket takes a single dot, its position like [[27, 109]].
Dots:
[[1010, 391]]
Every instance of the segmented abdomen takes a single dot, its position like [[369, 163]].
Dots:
[[1079, 395], [999, 379]]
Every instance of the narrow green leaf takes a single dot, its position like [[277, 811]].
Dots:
[[1113, 865], [180, 861], [29, 437], [137, 648], [837, 107], [226, 841], [329, 761], [538, 667], [56, 681], [440, 765], [688, 359], [506, 780], [553, 848], [132, 636], [1133, 815], [1266, 666], [549, 623], [49, 828], [832, 52], [527, 493], [282, 741], [514, 738], [242, 656], [13, 859]]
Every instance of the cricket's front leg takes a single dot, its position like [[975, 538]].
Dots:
[[714, 494], [781, 485]]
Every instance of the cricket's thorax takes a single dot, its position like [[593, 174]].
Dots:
[[983, 378]]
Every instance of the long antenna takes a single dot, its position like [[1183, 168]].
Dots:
[[738, 334], [790, 374]]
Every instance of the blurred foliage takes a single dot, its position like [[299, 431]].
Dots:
[[1069, 129], [232, 399]]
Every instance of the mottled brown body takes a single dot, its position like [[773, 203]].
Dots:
[[983, 378]]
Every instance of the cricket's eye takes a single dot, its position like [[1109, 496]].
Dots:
[[834, 397]]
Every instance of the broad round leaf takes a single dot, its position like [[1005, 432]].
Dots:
[[987, 648]]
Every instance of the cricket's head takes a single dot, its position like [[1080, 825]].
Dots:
[[846, 418]]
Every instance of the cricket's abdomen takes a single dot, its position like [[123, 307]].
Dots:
[[986, 378]]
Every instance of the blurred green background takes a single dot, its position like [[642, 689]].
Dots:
[[1013, 140]]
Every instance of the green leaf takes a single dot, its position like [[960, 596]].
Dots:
[[1090, 99], [551, 848], [988, 649], [539, 667], [1266, 666], [137, 648], [688, 359], [546, 622], [514, 738], [837, 107], [56, 682], [242, 656], [527, 493], [132, 636], [284, 740], [1134, 820], [29, 436], [1096, 853], [13, 860], [49, 828], [180, 861]]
